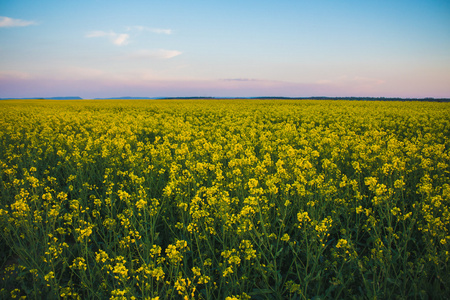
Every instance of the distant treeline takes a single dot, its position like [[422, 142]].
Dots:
[[428, 99], [43, 98], [361, 98], [293, 98], [313, 98]]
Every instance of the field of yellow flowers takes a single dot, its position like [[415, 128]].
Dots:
[[224, 199]]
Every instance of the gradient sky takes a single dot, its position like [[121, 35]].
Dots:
[[97, 48]]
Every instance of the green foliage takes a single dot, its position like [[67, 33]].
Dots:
[[224, 199]]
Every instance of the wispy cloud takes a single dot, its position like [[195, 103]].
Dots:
[[158, 53], [149, 29], [118, 39], [121, 39], [10, 22]]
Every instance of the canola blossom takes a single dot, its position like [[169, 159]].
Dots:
[[224, 199]]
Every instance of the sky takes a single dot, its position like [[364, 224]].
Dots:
[[245, 48]]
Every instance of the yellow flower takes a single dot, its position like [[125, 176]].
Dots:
[[173, 254], [359, 209], [285, 237], [342, 243], [49, 276], [371, 182], [252, 183], [141, 204], [79, 263], [120, 270], [158, 273], [155, 251], [303, 217], [234, 260], [118, 294], [227, 271], [84, 233], [395, 211], [101, 256], [247, 250], [196, 271]]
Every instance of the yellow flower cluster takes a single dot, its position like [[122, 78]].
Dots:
[[225, 199], [174, 253]]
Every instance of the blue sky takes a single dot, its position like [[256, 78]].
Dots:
[[229, 48]]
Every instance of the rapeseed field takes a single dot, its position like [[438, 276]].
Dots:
[[224, 199]]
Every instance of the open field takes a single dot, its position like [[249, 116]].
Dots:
[[210, 199]]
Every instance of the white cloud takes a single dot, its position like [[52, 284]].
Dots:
[[159, 53], [118, 39], [148, 29], [10, 22], [121, 39]]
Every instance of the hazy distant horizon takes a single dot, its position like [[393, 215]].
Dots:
[[351, 98], [104, 49]]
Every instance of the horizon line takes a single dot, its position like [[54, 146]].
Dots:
[[445, 99]]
